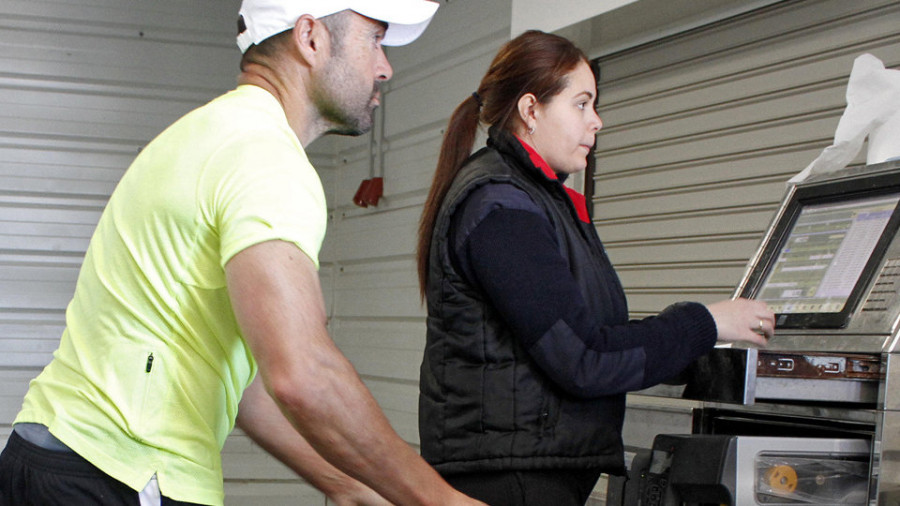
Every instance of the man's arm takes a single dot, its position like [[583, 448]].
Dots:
[[277, 300], [261, 419]]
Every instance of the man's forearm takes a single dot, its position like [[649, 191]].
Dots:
[[261, 419], [341, 420], [274, 290]]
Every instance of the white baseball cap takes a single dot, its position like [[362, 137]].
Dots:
[[261, 19]]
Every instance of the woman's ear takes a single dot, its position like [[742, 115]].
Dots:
[[526, 105]]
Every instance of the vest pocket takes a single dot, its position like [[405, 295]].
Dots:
[[549, 413], [498, 401]]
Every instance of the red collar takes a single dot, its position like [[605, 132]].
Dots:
[[538, 161], [577, 199]]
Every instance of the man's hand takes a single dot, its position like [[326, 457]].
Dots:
[[359, 496]]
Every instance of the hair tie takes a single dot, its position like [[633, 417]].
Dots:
[[477, 98]]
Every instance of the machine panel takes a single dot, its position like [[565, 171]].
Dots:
[[812, 418]]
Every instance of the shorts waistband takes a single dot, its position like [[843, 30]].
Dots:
[[49, 460], [38, 434]]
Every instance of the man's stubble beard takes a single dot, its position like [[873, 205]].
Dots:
[[345, 115]]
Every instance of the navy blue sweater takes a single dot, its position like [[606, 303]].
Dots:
[[502, 243]]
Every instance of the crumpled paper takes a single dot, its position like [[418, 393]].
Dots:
[[873, 111]]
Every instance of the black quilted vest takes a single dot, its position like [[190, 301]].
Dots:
[[484, 404]]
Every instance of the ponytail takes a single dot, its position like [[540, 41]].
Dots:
[[455, 150]]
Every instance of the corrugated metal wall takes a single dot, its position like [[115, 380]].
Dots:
[[83, 85], [376, 316], [702, 131]]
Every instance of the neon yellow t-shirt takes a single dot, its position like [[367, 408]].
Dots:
[[151, 366]]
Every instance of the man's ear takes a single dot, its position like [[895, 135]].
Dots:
[[527, 109], [311, 38]]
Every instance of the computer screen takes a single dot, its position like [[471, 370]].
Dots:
[[824, 251], [824, 255]]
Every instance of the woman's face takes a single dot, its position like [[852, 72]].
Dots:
[[564, 127]]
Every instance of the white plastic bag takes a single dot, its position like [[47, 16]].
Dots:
[[873, 111]]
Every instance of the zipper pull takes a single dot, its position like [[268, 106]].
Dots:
[[150, 362]]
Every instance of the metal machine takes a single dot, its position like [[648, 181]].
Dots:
[[774, 471], [814, 418]]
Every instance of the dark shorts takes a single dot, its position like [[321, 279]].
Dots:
[[31, 475], [558, 487]]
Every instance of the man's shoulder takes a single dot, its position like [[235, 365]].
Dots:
[[244, 122]]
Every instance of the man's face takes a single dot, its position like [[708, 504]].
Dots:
[[347, 90]]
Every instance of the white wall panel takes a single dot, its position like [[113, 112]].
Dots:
[[732, 166], [377, 289], [459, 28], [687, 224], [84, 84], [369, 234], [551, 16], [399, 400], [386, 348], [429, 101], [410, 162], [15, 384]]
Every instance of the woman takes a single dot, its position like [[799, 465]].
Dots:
[[529, 350]]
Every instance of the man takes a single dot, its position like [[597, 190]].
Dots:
[[202, 275]]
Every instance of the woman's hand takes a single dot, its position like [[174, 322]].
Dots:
[[743, 320]]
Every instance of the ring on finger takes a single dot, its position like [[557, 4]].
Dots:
[[759, 329]]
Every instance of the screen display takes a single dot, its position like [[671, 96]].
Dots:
[[824, 255]]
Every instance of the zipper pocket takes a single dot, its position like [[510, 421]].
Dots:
[[140, 424]]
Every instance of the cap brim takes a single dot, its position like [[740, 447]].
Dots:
[[406, 19], [401, 35]]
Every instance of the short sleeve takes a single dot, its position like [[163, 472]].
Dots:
[[263, 189]]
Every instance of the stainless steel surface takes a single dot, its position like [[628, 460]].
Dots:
[[646, 416], [788, 389], [792, 454], [813, 411], [836, 377], [889, 393], [885, 474]]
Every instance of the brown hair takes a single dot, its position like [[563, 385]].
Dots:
[[534, 62]]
